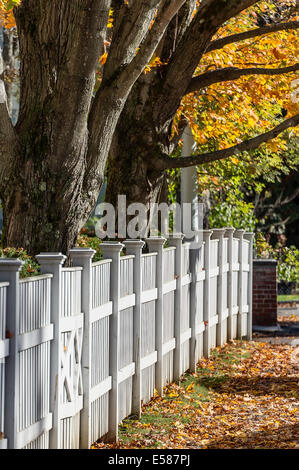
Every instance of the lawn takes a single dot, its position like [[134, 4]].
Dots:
[[287, 298], [244, 396]]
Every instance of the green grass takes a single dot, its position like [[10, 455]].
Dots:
[[289, 298], [158, 419]]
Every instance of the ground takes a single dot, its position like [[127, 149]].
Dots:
[[244, 396]]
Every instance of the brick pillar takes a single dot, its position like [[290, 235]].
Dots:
[[264, 298]]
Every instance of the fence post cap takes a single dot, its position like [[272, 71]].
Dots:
[[134, 243], [79, 252], [249, 235], [175, 239], [229, 231], [205, 233], [155, 241], [50, 258], [176, 236], [11, 264], [111, 247], [218, 233], [239, 232]]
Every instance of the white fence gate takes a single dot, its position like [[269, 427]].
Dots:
[[83, 347]]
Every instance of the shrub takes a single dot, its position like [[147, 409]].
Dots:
[[287, 257], [238, 214], [85, 241], [30, 268]]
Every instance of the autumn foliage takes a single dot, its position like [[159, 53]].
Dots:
[[244, 397], [6, 13], [226, 113]]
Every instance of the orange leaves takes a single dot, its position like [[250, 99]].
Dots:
[[103, 58], [279, 53], [228, 112], [7, 19], [244, 396]]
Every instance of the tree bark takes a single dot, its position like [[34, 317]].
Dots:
[[44, 211], [134, 147]]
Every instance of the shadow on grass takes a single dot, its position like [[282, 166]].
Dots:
[[257, 385], [284, 437]]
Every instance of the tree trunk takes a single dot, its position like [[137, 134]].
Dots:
[[135, 146], [129, 174], [44, 202], [44, 211]]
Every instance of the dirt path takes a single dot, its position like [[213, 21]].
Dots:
[[244, 396]]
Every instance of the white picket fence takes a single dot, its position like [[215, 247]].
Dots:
[[83, 347]]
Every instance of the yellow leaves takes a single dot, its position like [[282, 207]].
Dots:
[[7, 19], [110, 23], [226, 113], [274, 145], [155, 62], [190, 387], [253, 404]]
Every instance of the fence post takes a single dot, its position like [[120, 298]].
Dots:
[[155, 244], [229, 232], [206, 306], [10, 271], [249, 236], [83, 257], [51, 263], [218, 234], [175, 240], [195, 256], [112, 250], [239, 234], [134, 247]]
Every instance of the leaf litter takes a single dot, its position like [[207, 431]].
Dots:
[[245, 396]]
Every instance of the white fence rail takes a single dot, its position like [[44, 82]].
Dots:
[[83, 347]]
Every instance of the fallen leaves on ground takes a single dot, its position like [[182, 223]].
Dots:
[[244, 396], [288, 318]]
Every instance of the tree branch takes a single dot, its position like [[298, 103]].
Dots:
[[130, 28], [233, 73], [119, 87], [177, 74], [250, 144], [165, 14], [220, 43]]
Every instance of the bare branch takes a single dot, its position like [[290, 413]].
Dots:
[[233, 73], [250, 144], [220, 43], [290, 198]]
